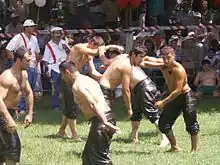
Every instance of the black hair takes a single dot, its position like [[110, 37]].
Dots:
[[206, 62], [68, 65], [20, 52], [166, 50], [138, 50]]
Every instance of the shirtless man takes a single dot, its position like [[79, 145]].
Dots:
[[89, 96], [13, 82], [179, 100], [119, 72], [143, 97], [207, 81], [82, 54]]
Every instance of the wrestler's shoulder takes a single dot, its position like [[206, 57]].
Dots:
[[179, 68], [6, 77]]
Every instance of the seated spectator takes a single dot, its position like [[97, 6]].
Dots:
[[211, 57], [207, 81]]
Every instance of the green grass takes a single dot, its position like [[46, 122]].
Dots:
[[40, 147]]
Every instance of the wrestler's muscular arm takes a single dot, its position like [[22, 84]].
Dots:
[[89, 98], [152, 62], [179, 78], [92, 70], [126, 78], [29, 99], [81, 48], [5, 84]]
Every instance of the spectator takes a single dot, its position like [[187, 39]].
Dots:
[[14, 27], [207, 81], [206, 14], [201, 32], [150, 45], [211, 57], [54, 54], [174, 42], [3, 56], [184, 16]]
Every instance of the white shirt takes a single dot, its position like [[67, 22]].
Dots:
[[59, 52], [32, 44]]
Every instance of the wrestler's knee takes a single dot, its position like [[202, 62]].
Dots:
[[164, 127], [193, 128]]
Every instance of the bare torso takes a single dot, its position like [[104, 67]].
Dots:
[[94, 89], [169, 76], [208, 78], [112, 77], [137, 76], [16, 84], [78, 58]]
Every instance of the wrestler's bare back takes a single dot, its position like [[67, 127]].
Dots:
[[78, 58], [12, 85], [112, 77], [85, 87], [170, 76]]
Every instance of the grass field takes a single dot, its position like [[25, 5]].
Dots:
[[40, 147]]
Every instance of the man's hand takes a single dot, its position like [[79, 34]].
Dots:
[[11, 125], [130, 113], [113, 127], [28, 120], [159, 104]]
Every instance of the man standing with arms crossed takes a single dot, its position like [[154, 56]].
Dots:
[[13, 82], [89, 96], [179, 100]]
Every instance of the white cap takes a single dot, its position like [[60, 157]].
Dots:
[[56, 29], [29, 22]]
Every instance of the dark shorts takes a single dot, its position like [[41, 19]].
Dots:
[[99, 140], [185, 103], [10, 145], [71, 108], [207, 90], [109, 95], [143, 97]]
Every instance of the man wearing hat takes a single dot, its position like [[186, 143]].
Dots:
[[202, 31], [14, 27], [28, 40]]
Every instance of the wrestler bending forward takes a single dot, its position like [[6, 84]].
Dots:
[[89, 97]]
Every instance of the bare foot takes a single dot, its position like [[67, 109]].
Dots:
[[175, 149], [193, 151], [76, 138], [135, 141], [62, 135]]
